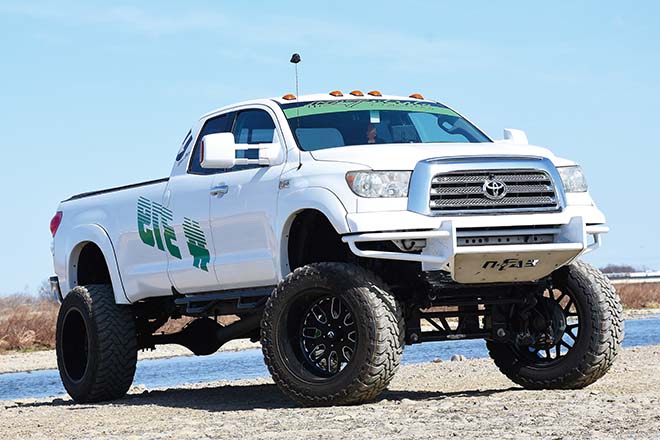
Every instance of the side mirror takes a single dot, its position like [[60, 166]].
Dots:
[[219, 151], [513, 136]]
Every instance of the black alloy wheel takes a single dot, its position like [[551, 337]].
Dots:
[[328, 335]]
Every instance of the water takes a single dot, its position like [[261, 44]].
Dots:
[[248, 364]]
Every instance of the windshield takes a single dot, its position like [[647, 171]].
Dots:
[[319, 125]]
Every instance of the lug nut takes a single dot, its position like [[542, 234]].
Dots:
[[501, 333]]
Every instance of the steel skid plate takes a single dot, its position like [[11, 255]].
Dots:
[[503, 267]]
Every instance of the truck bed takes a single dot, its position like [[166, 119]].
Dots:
[[116, 188]]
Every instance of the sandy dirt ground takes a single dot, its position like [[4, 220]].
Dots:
[[465, 399]]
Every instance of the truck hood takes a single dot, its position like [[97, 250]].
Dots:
[[406, 156]]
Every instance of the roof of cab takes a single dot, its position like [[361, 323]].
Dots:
[[311, 98], [346, 95]]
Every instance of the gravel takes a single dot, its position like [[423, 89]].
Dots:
[[467, 399]]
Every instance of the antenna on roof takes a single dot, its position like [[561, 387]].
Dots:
[[295, 59]]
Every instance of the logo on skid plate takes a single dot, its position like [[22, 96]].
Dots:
[[494, 188], [509, 263]]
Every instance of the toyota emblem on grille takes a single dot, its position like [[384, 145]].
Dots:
[[494, 188]]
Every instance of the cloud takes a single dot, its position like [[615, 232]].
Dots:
[[248, 34], [139, 20], [125, 17]]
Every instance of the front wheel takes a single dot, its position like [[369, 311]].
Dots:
[[580, 319], [332, 334]]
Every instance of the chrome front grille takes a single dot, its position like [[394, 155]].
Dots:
[[464, 191]]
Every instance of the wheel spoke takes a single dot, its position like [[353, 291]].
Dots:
[[333, 362], [319, 314], [562, 295], [352, 336], [348, 319], [317, 352], [335, 307], [347, 353], [311, 333]]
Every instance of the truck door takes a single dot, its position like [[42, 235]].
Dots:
[[243, 209], [187, 198]]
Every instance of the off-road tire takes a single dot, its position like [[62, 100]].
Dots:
[[380, 334], [100, 364], [599, 339]]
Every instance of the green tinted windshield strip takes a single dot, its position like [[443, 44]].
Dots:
[[352, 105]]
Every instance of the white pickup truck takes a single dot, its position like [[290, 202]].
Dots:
[[337, 228]]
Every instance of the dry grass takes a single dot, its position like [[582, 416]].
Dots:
[[640, 295], [28, 323]]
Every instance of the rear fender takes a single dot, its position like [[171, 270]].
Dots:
[[76, 240]]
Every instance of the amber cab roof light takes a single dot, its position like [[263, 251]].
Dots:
[[416, 96], [289, 97], [336, 93], [375, 93], [357, 93]]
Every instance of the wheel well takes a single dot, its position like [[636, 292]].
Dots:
[[92, 268], [313, 239]]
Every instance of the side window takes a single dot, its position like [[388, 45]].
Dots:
[[219, 124], [254, 127]]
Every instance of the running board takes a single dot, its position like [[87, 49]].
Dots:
[[201, 303]]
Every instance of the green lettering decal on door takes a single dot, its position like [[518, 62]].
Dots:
[[196, 243], [144, 221], [153, 221], [151, 217]]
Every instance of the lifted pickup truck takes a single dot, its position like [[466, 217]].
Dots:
[[336, 229]]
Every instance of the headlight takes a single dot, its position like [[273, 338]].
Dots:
[[573, 179], [379, 183]]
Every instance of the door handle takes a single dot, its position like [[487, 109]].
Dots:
[[220, 190]]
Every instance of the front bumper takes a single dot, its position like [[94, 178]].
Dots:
[[574, 232]]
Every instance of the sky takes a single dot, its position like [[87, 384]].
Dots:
[[99, 94]]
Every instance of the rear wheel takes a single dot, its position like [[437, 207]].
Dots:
[[96, 344], [572, 334], [332, 334]]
